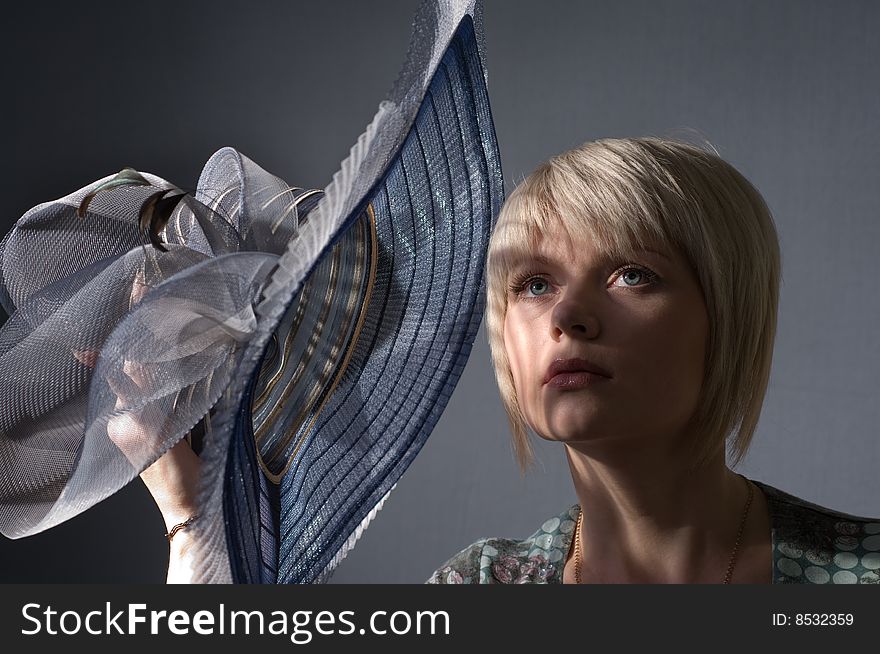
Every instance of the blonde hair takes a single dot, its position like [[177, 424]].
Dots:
[[624, 194]]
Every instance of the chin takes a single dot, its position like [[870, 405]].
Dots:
[[585, 428]]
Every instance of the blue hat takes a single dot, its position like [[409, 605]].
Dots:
[[308, 339]]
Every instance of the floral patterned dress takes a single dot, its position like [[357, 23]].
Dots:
[[811, 545]]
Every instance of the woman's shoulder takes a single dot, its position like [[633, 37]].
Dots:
[[538, 559], [813, 543]]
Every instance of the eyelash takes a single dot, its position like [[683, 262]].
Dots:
[[647, 272], [519, 283]]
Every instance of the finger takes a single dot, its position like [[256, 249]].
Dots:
[[127, 431], [89, 358], [139, 288], [124, 387]]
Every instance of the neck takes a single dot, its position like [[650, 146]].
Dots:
[[649, 519]]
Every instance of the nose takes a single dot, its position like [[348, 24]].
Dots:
[[574, 320]]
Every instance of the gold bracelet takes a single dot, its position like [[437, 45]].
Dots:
[[180, 525]]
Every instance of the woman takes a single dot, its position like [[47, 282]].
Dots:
[[632, 302]]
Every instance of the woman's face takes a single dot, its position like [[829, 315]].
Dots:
[[605, 349]]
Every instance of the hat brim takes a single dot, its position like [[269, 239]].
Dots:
[[426, 223]]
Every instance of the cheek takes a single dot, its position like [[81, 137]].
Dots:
[[676, 356]]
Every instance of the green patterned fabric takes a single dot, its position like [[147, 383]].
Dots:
[[811, 545]]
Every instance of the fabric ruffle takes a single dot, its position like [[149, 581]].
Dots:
[[115, 349]]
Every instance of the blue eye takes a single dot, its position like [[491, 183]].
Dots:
[[529, 286], [631, 277], [537, 286]]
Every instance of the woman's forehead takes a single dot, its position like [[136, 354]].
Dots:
[[556, 244], [556, 254]]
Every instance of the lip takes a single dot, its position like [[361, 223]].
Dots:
[[574, 373]]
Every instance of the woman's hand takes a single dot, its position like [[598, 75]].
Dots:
[[172, 481], [173, 478]]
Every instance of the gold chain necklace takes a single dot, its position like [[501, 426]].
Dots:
[[727, 577]]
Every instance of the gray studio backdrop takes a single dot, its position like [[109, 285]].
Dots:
[[786, 90]]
